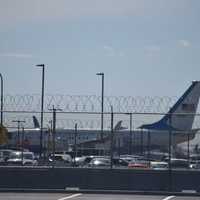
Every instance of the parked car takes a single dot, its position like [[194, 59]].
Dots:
[[119, 162], [99, 162], [85, 160], [129, 158], [22, 158], [139, 164], [60, 159], [5, 153], [177, 163], [195, 164], [158, 165], [82, 161], [1, 159]]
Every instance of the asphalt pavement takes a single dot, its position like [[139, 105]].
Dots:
[[80, 196]]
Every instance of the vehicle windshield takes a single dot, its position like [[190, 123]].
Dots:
[[28, 156], [15, 155], [18, 155], [100, 160]]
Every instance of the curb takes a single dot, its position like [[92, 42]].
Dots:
[[27, 190]]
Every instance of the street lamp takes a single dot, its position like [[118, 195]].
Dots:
[[18, 127], [54, 131], [42, 109], [1, 99], [111, 139], [170, 152], [188, 148], [75, 143], [130, 133], [22, 145], [102, 100]]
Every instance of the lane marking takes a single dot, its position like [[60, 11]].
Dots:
[[169, 197], [70, 197]]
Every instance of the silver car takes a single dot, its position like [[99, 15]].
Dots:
[[22, 158]]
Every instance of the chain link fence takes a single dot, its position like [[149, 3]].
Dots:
[[83, 111]]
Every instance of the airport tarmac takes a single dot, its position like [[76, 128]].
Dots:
[[80, 196]]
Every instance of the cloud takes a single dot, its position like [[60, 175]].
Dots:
[[16, 55], [184, 43]]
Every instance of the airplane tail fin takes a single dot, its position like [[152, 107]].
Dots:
[[182, 113], [119, 126], [35, 122]]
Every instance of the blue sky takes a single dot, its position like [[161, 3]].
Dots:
[[144, 47]]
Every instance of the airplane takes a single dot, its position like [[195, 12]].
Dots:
[[178, 122], [64, 138]]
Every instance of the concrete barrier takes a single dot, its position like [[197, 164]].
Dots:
[[98, 179]]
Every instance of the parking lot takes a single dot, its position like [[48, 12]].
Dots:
[[80, 196], [10, 157]]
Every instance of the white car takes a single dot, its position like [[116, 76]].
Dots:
[[159, 165], [22, 158]]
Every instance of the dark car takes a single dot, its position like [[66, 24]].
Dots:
[[119, 162], [60, 159], [5, 153]]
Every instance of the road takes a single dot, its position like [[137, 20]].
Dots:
[[79, 196]]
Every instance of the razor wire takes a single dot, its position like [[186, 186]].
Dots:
[[88, 103]]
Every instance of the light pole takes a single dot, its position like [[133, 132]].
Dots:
[[170, 152], [18, 127], [148, 145], [49, 140], [22, 141], [1, 99], [42, 109], [141, 141], [188, 148], [111, 139], [102, 101], [75, 143], [54, 132], [130, 133]]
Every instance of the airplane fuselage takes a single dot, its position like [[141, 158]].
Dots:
[[64, 138]]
